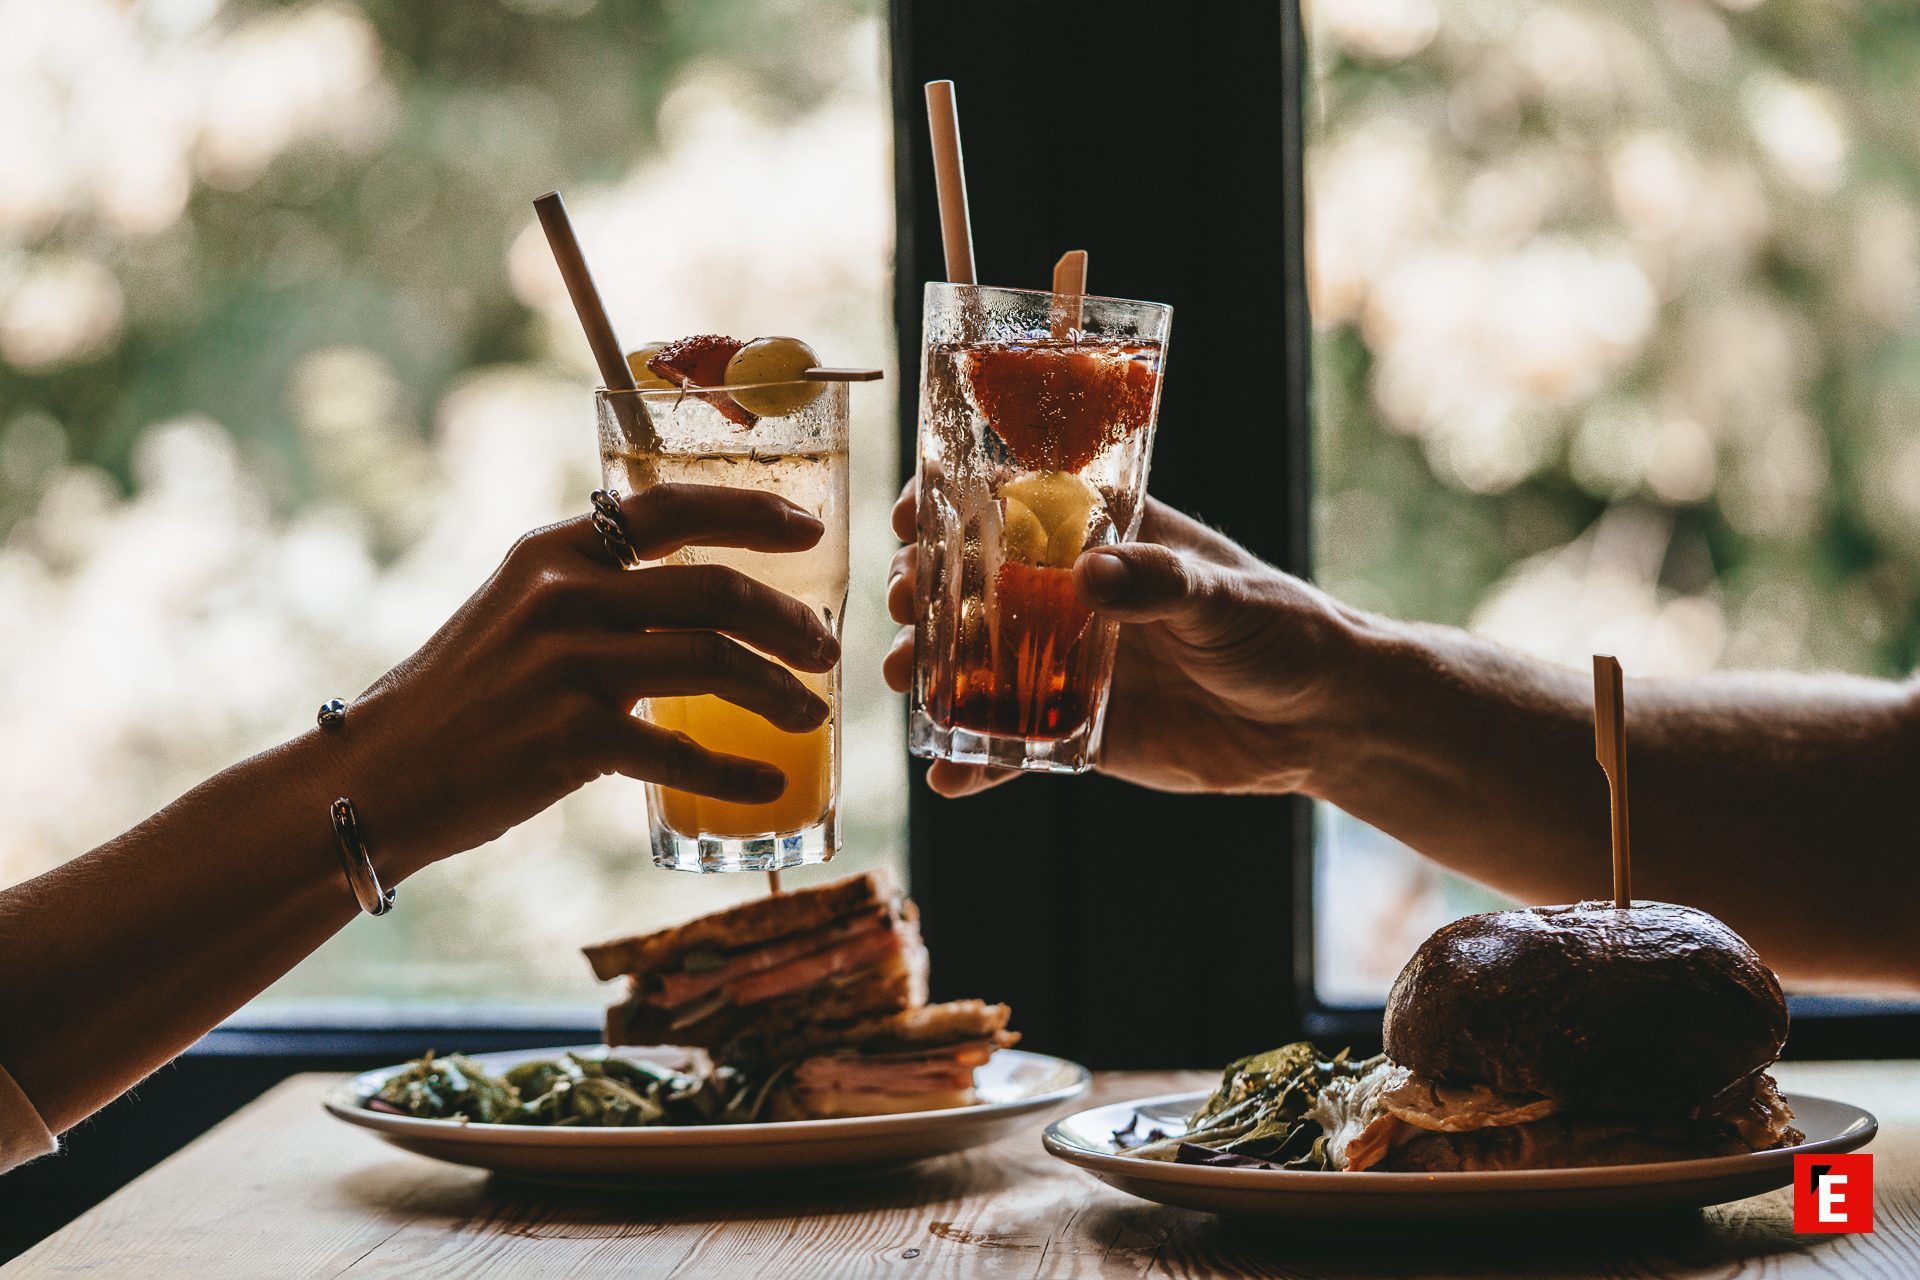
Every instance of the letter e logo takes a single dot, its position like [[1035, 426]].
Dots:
[[1833, 1193]]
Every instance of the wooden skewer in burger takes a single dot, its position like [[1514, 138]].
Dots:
[[1596, 1033]]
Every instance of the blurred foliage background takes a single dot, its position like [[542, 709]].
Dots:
[[285, 367], [1616, 350]]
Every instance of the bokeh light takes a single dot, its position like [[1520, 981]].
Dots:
[[284, 369], [1616, 350]]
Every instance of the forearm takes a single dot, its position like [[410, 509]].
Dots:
[[114, 963], [120, 959], [1772, 801]]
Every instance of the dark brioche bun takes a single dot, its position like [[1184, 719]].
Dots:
[[1653, 1008]]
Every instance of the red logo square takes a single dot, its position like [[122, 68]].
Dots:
[[1833, 1193]]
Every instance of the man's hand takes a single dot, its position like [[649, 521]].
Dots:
[[1224, 666]]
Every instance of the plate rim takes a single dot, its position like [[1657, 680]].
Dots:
[[343, 1101], [1860, 1130]]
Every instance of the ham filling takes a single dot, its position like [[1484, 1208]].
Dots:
[[783, 967], [1457, 1108], [1348, 1108], [1758, 1113], [941, 1070], [1366, 1117]]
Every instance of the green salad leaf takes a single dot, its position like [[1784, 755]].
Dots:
[[576, 1090], [440, 1088], [1257, 1115]]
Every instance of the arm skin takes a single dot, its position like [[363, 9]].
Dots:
[[1787, 805], [118, 960]]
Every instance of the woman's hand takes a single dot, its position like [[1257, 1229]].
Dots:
[[1224, 670], [521, 697], [526, 693]]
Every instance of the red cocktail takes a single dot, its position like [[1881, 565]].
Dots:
[[1032, 449]]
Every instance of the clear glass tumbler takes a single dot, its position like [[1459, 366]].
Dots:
[[1036, 427], [801, 454]]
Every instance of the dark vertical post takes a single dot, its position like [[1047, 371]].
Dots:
[[1128, 928]]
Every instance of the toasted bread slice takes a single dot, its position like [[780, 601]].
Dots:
[[737, 1034], [922, 1059], [928, 1026], [749, 924], [788, 1104]]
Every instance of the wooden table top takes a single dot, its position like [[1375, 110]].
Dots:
[[282, 1189]]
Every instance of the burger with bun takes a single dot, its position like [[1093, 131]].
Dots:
[[1563, 1036]]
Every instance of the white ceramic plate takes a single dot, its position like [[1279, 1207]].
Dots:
[[1013, 1086], [1301, 1196]]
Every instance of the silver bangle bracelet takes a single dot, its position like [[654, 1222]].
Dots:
[[355, 861]]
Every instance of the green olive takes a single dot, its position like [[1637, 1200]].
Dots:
[[780, 360]]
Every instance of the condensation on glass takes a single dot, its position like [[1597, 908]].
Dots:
[[802, 456], [1036, 429]]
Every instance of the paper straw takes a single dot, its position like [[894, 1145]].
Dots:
[[950, 181], [607, 352]]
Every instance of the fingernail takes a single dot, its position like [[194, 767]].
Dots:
[[1109, 578], [767, 781], [798, 519]]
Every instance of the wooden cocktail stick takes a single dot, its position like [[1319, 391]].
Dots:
[[823, 374], [1610, 748], [1069, 290], [773, 882], [950, 181]]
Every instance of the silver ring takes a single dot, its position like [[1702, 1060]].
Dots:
[[333, 714], [610, 523]]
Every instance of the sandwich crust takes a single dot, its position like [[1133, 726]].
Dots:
[[750, 923], [924, 1027], [1653, 1009], [787, 1105], [738, 1034], [920, 1059]]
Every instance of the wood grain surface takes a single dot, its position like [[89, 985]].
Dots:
[[282, 1189]]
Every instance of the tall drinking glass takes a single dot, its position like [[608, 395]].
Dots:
[[1036, 427], [798, 449]]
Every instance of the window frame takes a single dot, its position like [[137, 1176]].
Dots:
[[1824, 1026], [1076, 900], [966, 870]]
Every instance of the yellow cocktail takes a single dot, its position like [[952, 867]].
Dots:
[[802, 456], [806, 758]]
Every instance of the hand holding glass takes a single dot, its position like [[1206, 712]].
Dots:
[[801, 455], [1033, 447]]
